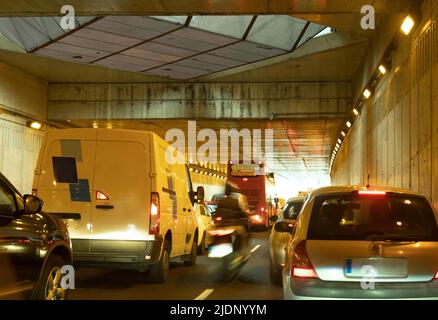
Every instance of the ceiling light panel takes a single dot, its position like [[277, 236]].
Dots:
[[201, 65], [63, 55], [77, 51], [312, 30], [232, 26], [92, 44], [150, 55], [255, 48], [206, 57], [106, 37], [278, 31], [143, 63], [143, 28], [166, 49]]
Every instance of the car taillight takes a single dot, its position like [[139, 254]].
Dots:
[[436, 276], [301, 266], [154, 214]]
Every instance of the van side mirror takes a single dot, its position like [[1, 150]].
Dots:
[[32, 204], [200, 193], [283, 227]]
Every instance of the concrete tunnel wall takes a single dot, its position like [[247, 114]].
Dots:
[[395, 140], [20, 93]]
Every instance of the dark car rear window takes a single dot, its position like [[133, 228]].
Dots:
[[358, 217]]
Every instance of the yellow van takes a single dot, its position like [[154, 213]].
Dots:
[[124, 204]]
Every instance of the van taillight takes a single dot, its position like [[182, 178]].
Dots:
[[101, 196], [34, 192], [154, 214], [301, 266]]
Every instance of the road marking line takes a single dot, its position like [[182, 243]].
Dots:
[[255, 248], [204, 294]]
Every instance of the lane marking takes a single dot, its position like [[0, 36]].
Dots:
[[255, 248], [204, 294]]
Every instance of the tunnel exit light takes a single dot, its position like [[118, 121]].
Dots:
[[407, 25]]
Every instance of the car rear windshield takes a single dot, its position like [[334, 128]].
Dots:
[[292, 210], [371, 218]]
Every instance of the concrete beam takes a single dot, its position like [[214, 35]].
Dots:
[[178, 7], [198, 100]]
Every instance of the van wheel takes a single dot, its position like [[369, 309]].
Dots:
[[191, 259], [201, 248], [159, 271], [49, 286]]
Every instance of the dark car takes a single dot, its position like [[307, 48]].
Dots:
[[34, 247]]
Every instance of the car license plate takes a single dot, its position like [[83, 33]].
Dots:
[[376, 267]]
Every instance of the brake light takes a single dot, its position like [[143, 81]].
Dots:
[[154, 214], [262, 209], [301, 266], [101, 196], [245, 179], [218, 219], [371, 193]]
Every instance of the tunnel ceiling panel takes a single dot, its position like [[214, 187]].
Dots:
[[177, 47]]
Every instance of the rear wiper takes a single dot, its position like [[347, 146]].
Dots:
[[393, 237]]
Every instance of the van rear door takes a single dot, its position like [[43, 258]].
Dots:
[[121, 194], [64, 178]]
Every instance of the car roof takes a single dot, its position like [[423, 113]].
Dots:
[[294, 199], [347, 189]]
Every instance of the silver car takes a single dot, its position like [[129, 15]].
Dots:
[[358, 243], [279, 238]]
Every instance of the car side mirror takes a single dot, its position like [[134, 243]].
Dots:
[[283, 227], [200, 194], [32, 204], [273, 218]]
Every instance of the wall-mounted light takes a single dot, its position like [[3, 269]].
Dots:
[[367, 93], [383, 69], [355, 111], [35, 125], [343, 133], [348, 123], [407, 25], [339, 141]]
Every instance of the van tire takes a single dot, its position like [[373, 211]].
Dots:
[[159, 271], [191, 258], [43, 289], [201, 248]]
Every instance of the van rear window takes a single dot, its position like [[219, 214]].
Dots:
[[372, 218], [64, 169]]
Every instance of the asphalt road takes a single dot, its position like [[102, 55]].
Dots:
[[186, 283]]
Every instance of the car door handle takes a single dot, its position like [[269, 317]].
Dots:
[[104, 206]]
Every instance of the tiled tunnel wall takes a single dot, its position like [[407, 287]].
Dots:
[[20, 145], [395, 140]]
